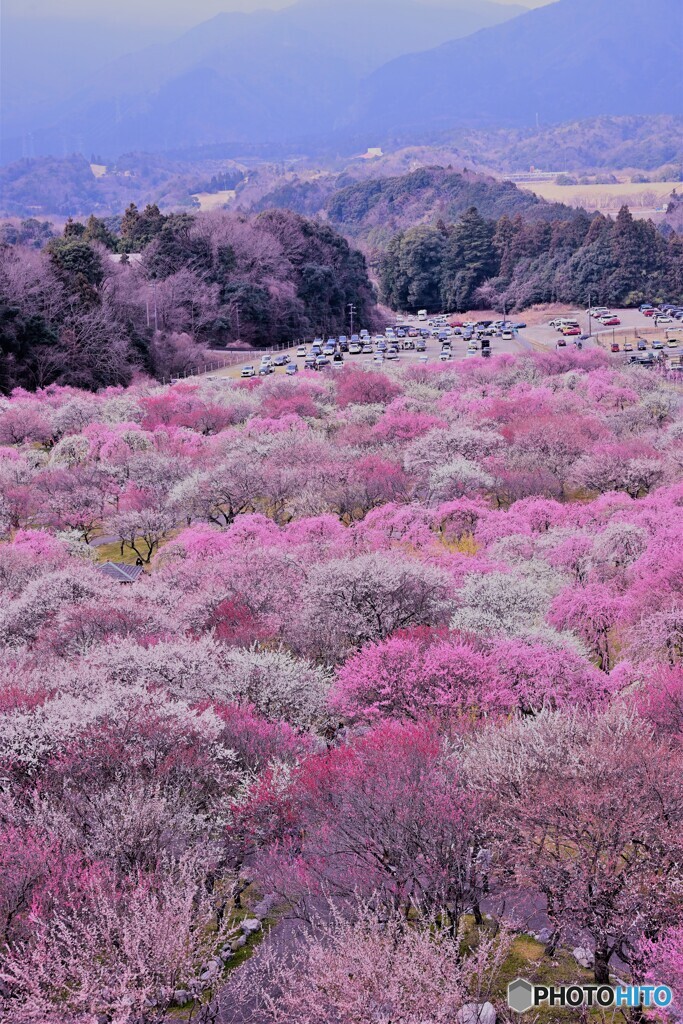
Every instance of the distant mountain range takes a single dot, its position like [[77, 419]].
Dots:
[[268, 76], [572, 59], [338, 73]]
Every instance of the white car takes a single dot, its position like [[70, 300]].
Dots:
[[507, 336], [663, 320], [301, 352], [446, 355], [355, 348], [266, 360], [672, 343], [248, 371], [392, 353], [378, 357]]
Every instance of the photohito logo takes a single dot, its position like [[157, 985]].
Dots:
[[523, 996]]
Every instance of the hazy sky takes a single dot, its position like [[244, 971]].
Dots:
[[167, 12]]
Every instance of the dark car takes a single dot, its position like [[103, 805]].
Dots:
[[641, 345]]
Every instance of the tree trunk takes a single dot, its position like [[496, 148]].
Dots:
[[601, 968]]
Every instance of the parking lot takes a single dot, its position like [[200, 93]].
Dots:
[[536, 336]]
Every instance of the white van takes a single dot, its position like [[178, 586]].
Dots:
[[422, 314]]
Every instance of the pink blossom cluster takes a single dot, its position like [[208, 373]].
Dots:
[[410, 644]]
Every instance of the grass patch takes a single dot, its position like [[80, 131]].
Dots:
[[112, 553], [527, 959]]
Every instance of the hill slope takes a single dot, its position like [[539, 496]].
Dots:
[[572, 59]]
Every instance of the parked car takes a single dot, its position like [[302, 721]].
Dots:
[[628, 346], [301, 352], [421, 345], [378, 357], [562, 342], [364, 334], [446, 354], [611, 321], [649, 312], [507, 335], [657, 343], [337, 357], [266, 359], [265, 369], [248, 371], [321, 361], [392, 353], [281, 360], [367, 349], [291, 369], [663, 320], [571, 332], [671, 343], [519, 326], [614, 347], [641, 345], [355, 348]]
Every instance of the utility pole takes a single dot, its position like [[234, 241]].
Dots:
[[352, 313], [156, 320], [590, 316], [237, 317]]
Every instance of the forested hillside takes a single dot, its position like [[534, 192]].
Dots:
[[70, 314], [517, 262]]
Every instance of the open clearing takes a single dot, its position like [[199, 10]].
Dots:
[[214, 200], [642, 198]]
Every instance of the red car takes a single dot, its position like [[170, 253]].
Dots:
[[456, 323], [650, 312], [613, 321], [615, 346], [571, 332]]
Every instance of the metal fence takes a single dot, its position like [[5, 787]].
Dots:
[[230, 359]]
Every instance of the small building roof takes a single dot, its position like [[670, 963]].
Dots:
[[120, 571]]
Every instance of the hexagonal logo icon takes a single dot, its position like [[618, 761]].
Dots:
[[520, 995]]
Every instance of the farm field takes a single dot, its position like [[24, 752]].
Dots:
[[214, 200], [642, 198]]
